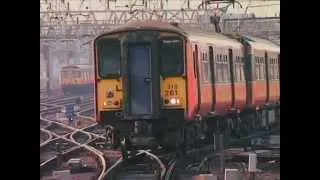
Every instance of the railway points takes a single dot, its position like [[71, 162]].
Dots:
[[94, 136]]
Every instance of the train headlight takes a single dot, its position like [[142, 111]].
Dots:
[[174, 101], [107, 103]]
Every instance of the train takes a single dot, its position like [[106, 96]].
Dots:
[[77, 79], [175, 85]]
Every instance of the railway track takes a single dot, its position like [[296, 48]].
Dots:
[[44, 124], [52, 148], [74, 139], [59, 130], [174, 164], [45, 136], [48, 153], [155, 164]]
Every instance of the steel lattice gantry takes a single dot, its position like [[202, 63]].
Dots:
[[61, 21]]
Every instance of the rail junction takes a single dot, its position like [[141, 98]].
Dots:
[[60, 143]]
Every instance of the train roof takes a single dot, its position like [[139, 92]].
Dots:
[[262, 44], [213, 38], [146, 25], [195, 34]]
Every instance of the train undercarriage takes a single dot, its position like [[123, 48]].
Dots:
[[176, 133]]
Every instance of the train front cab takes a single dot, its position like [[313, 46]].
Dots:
[[139, 82]]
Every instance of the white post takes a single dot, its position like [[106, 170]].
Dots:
[[252, 167]]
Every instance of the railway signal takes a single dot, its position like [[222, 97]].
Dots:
[[71, 113]]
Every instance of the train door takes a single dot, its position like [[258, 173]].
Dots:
[[196, 75], [231, 67], [266, 61], [212, 65], [140, 80]]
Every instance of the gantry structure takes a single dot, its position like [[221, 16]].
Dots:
[[67, 26], [73, 19]]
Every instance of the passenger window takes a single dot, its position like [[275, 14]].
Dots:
[[238, 69], [242, 69], [277, 69], [257, 68], [262, 69], [205, 68], [219, 66], [274, 69], [241, 72], [226, 68], [235, 64], [270, 68]]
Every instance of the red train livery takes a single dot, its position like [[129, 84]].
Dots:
[[181, 82]]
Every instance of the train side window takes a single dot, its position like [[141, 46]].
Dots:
[[219, 73], [277, 69], [274, 65], [257, 68], [262, 69], [270, 68], [235, 64], [205, 68], [201, 70], [226, 68], [274, 69], [216, 68], [238, 70], [223, 78], [242, 69]]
